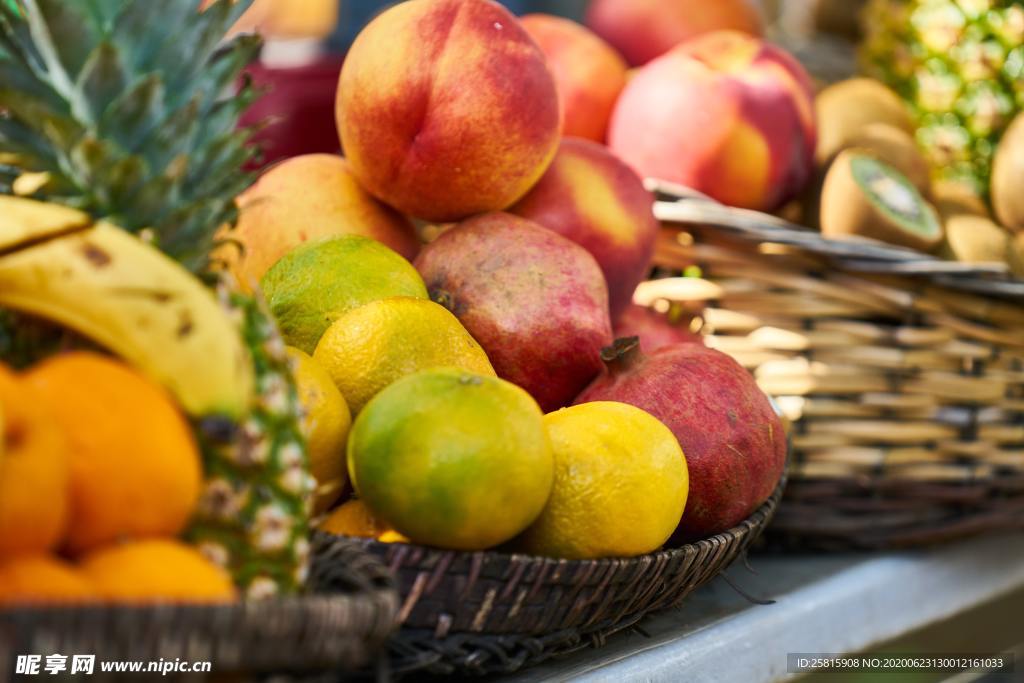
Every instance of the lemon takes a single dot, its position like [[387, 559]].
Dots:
[[325, 424], [452, 459], [310, 286], [370, 347], [621, 483]]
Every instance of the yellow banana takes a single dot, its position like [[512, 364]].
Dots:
[[127, 296]]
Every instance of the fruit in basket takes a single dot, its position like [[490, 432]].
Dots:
[[536, 302], [447, 108], [135, 469], [589, 73], [953, 199], [325, 425], [374, 345], [121, 154], [725, 114], [43, 580], [353, 518], [114, 289], [644, 29], [863, 196], [733, 440], [452, 459], [620, 484], [156, 570], [896, 148], [316, 283], [845, 109], [34, 472], [975, 239], [959, 66], [594, 199], [305, 199], [654, 329], [1007, 175]]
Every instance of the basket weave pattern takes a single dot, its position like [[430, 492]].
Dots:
[[490, 612], [905, 389]]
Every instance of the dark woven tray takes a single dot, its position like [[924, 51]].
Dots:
[[489, 612], [342, 629], [902, 373]]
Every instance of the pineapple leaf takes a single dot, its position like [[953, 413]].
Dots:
[[102, 78], [136, 112]]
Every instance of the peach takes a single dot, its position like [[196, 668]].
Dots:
[[597, 201], [644, 29], [447, 108], [589, 74], [307, 198], [726, 114]]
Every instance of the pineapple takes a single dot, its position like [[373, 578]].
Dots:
[[960, 65], [128, 110]]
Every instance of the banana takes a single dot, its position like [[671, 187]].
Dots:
[[22, 221], [129, 297]]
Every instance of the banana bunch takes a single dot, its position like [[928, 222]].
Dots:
[[125, 295]]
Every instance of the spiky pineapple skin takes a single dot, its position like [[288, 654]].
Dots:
[[960, 65], [128, 110]]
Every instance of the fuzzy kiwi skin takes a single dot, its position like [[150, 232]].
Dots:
[[846, 210], [951, 199], [975, 239], [897, 148], [1008, 177], [845, 108]]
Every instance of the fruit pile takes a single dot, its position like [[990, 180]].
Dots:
[[449, 288]]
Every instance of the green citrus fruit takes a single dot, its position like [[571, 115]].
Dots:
[[315, 283], [621, 483], [452, 459], [370, 347]]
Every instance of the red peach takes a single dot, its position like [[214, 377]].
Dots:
[[447, 108], [644, 29], [591, 197], [726, 114], [589, 74], [306, 198]]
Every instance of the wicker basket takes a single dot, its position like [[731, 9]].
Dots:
[[903, 375], [343, 628], [488, 612]]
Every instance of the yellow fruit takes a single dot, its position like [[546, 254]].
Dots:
[[370, 347], [158, 570], [325, 424], [135, 468], [353, 519], [34, 472], [317, 282], [621, 483], [452, 459], [42, 579]]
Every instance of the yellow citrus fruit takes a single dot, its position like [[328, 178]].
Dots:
[[325, 424], [315, 283], [34, 471], [42, 579], [135, 467], [452, 459], [157, 570], [621, 483], [353, 518], [370, 347]]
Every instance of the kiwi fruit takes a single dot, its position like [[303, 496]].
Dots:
[[867, 197], [1008, 177], [1015, 254], [975, 239], [897, 148], [845, 108], [952, 198]]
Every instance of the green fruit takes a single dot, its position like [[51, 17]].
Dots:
[[452, 459], [863, 196], [318, 282]]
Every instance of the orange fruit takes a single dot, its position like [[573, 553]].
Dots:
[[42, 579], [157, 571], [135, 468], [353, 519], [34, 472]]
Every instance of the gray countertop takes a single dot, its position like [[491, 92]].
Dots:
[[824, 603]]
